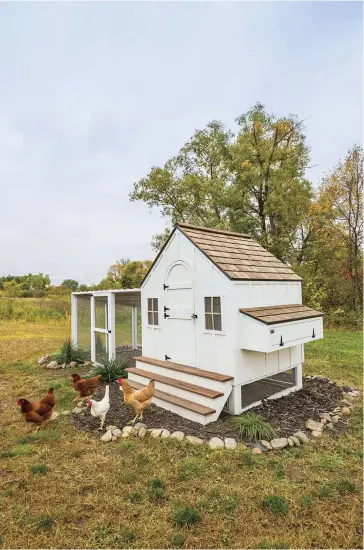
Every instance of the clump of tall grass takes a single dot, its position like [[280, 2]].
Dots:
[[110, 370], [253, 426], [69, 353]]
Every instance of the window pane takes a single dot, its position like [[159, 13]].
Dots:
[[155, 304], [217, 322], [150, 304], [156, 321], [217, 305], [150, 318], [207, 305], [208, 321]]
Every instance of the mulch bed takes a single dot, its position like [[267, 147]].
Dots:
[[288, 414]]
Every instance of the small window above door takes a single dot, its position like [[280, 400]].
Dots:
[[213, 313], [153, 317]]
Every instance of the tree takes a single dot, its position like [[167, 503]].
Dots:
[[270, 193], [12, 289], [71, 284], [192, 187]]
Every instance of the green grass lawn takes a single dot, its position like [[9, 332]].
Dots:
[[62, 488]]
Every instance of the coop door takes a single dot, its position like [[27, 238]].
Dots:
[[102, 347], [179, 315]]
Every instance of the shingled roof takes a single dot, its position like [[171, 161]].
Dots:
[[271, 315], [238, 255]]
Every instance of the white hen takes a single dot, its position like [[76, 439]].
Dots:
[[99, 409]]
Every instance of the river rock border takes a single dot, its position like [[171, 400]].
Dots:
[[299, 438]]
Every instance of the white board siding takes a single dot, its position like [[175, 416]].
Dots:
[[214, 351]]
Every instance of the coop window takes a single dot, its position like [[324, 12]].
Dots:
[[153, 311], [266, 387], [213, 313]]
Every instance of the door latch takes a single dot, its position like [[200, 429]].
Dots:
[[194, 316], [109, 331], [313, 333], [165, 286], [166, 358], [281, 342]]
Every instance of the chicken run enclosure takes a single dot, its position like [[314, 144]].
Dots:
[[107, 324]]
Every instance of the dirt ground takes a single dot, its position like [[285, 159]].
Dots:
[[288, 414]]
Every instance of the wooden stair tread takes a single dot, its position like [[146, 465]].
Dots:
[[179, 401], [185, 369], [206, 392]]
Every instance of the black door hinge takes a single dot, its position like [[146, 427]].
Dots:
[[166, 358], [194, 316], [165, 310], [165, 286], [313, 333], [281, 342], [166, 315]]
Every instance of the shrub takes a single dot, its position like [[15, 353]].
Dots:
[[273, 545], [44, 523], [69, 353], [306, 500], [155, 483], [110, 371], [253, 426], [183, 515], [275, 504], [135, 496], [324, 491], [156, 494]]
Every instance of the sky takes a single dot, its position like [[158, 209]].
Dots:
[[92, 95]]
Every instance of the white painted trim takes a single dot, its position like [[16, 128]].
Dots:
[[74, 319], [92, 328], [110, 338], [134, 326]]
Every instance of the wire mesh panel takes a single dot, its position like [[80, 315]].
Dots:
[[102, 352], [84, 322], [264, 388], [123, 325]]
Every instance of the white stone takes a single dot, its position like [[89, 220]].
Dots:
[[66, 413], [117, 432], [127, 429], [179, 436], [142, 432], [139, 425], [156, 433], [302, 437], [335, 419], [323, 421], [346, 411], [165, 434], [106, 437], [230, 443], [325, 416], [266, 444], [43, 360], [114, 438], [111, 428], [194, 440], [73, 364], [296, 441], [290, 442], [52, 365], [77, 410], [216, 443], [314, 426], [330, 426], [279, 443], [256, 451], [316, 433], [125, 435], [55, 415]]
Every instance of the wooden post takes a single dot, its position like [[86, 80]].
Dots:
[[93, 335], [111, 325], [74, 320]]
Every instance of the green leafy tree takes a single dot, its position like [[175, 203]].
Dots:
[[12, 289], [71, 284], [270, 195]]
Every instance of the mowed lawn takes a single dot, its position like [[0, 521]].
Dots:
[[64, 489]]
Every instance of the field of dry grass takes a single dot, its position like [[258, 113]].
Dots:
[[64, 489]]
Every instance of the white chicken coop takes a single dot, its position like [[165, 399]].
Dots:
[[223, 325]]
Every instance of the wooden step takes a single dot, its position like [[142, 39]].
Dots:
[[184, 368], [184, 403], [206, 392]]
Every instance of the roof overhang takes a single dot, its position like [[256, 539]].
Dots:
[[272, 315]]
